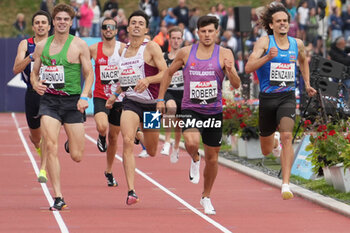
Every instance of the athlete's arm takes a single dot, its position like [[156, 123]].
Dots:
[[227, 57], [88, 74], [177, 63], [158, 60], [38, 85], [21, 61], [93, 51], [304, 68], [256, 58]]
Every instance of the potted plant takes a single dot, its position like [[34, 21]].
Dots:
[[329, 146]]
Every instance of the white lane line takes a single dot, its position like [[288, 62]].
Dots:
[[173, 195], [46, 191]]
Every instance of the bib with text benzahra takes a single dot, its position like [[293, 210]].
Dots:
[[109, 74], [203, 92], [128, 78], [282, 74], [53, 76]]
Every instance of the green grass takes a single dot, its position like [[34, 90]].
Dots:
[[10, 8]]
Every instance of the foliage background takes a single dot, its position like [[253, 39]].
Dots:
[[10, 8]]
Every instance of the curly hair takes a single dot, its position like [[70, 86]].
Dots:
[[65, 8], [266, 16]]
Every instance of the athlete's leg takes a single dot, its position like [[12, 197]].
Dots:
[[128, 124], [112, 146], [101, 120], [76, 138], [151, 138], [50, 130], [192, 139], [211, 168], [287, 158]]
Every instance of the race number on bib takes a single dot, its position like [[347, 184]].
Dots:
[[282, 74], [53, 76], [128, 78], [204, 92], [109, 74], [178, 79]]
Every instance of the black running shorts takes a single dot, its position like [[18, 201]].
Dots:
[[137, 107], [62, 108], [272, 108], [113, 114], [32, 104], [211, 131], [175, 95]]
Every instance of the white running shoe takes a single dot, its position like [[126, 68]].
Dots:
[[194, 171], [166, 149], [143, 154], [208, 207], [286, 193], [174, 157], [277, 151]]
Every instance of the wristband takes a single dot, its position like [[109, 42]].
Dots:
[[116, 94], [84, 98], [160, 100], [31, 57]]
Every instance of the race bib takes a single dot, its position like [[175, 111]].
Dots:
[[178, 79], [109, 74], [203, 92], [53, 76], [282, 74], [128, 78]]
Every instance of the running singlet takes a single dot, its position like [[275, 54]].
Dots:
[[278, 74], [106, 72], [177, 81], [133, 69], [26, 72], [203, 83], [62, 77]]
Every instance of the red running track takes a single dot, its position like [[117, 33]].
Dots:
[[168, 201]]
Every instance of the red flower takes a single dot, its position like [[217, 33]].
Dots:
[[307, 123], [223, 101], [332, 132], [321, 128], [242, 125]]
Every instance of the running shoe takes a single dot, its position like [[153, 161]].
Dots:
[[166, 149], [194, 171], [277, 151], [207, 206], [38, 150], [66, 146], [286, 193], [59, 204], [132, 198], [111, 182], [101, 143], [42, 176], [174, 156], [143, 154]]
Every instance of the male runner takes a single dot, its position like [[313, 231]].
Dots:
[[141, 69], [107, 57], [63, 102], [174, 94], [274, 58], [24, 61], [205, 65]]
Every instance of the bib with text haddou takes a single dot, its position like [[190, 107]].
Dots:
[[128, 78], [178, 79], [109, 74], [282, 74], [53, 76], [204, 92]]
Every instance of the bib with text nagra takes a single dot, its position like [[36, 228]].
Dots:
[[203, 90], [129, 77], [109, 74], [282, 74], [53, 76]]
